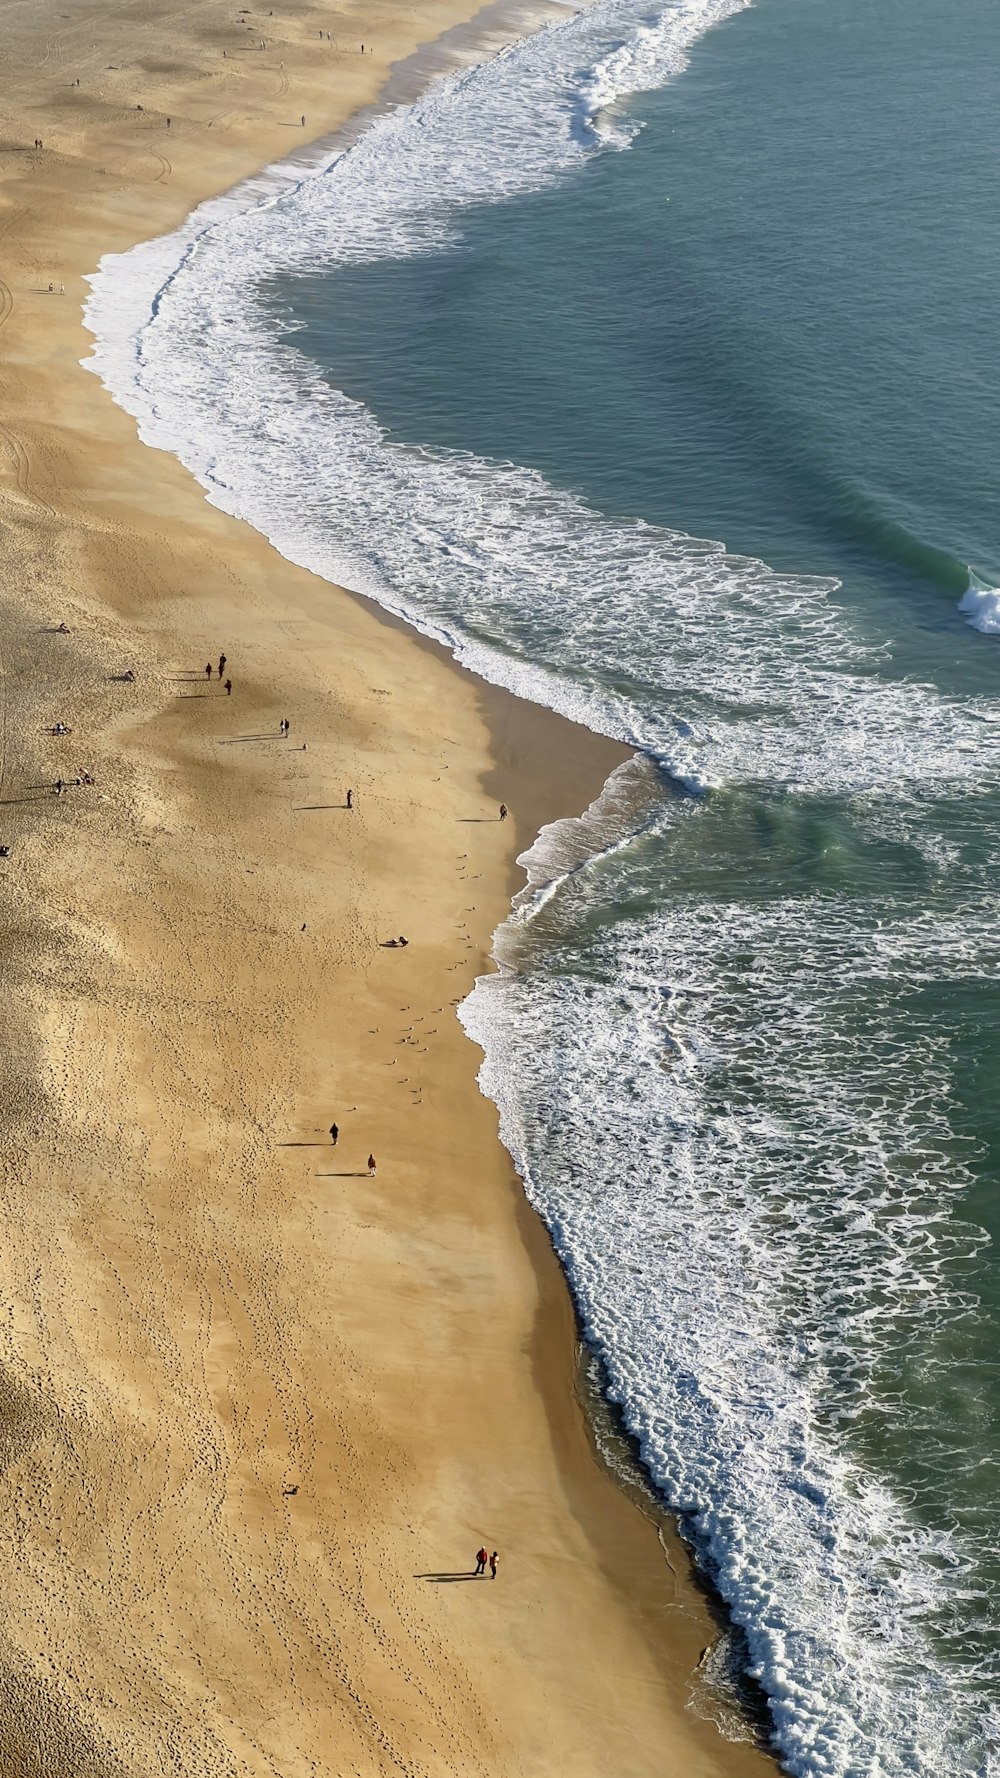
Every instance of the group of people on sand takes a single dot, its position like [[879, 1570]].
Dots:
[[481, 1560], [222, 668]]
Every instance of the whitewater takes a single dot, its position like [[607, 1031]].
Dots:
[[737, 1223]]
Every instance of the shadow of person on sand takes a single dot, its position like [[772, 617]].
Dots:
[[239, 740], [440, 1579]]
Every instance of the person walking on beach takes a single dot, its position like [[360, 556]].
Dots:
[[350, 799], [480, 1562], [371, 1166], [229, 688], [208, 671], [222, 665], [334, 1133], [494, 1559], [503, 811]]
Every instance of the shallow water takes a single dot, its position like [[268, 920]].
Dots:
[[506, 366]]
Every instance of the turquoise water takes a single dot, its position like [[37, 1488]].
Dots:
[[506, 366]]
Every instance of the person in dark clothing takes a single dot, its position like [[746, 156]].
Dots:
[[334, 1134]]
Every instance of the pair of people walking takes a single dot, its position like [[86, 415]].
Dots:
[[481, 1560], [335, 1138]]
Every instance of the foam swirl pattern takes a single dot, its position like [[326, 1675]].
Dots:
[[755, 1189]]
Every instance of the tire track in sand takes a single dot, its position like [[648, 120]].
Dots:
[[21, 459], [6, 293], [22, 470]]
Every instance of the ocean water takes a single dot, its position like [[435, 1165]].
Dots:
[[651, 366]]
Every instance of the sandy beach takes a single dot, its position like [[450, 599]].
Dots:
[[260, 1408]]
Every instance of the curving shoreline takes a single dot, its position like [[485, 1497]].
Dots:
[[197, 1321]]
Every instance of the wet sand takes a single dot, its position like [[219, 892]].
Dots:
[[259, 1409]]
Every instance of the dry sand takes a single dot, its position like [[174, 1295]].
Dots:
[[254, 1403]]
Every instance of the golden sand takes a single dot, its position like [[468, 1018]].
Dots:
[[256, 1403]]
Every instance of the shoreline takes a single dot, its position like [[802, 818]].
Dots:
[[175, 1020]]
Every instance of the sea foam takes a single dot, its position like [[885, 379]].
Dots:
[[981, 605]]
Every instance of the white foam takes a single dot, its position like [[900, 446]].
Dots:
[[981, 604], [630, 800]]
